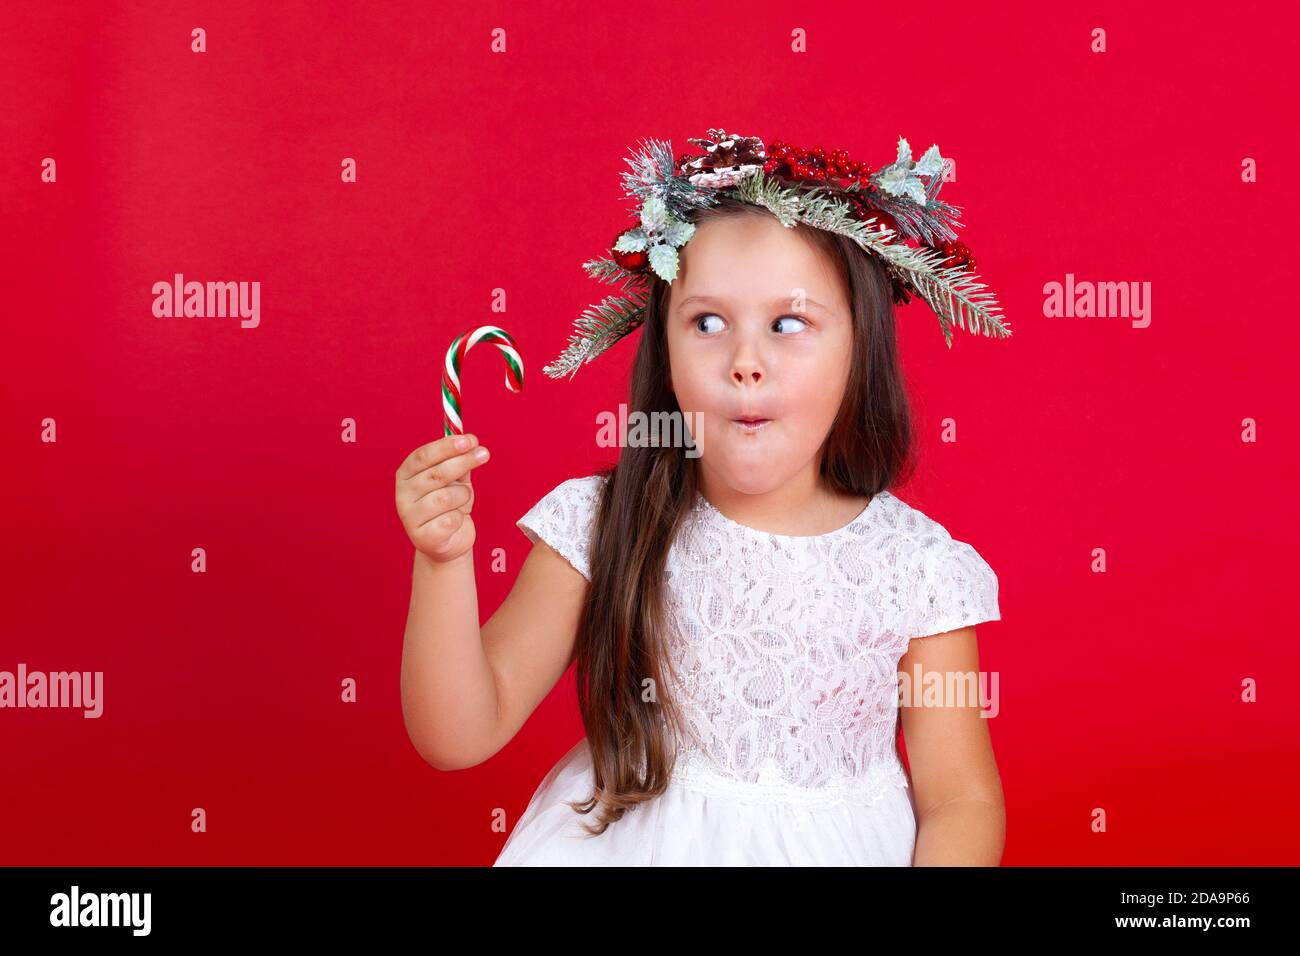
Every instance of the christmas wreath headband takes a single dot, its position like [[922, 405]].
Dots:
[[893, 213]]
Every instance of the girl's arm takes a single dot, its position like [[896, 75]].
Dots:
[[961, 816], [466, 690]]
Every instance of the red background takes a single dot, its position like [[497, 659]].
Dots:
[[479, 170]]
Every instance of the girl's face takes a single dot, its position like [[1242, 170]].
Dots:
[[759, 326]]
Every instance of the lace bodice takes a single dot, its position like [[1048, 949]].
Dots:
[[787, 647]]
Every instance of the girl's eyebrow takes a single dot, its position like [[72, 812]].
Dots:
[[781, 301]]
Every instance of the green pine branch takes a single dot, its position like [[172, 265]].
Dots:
[[965, 302], [954, 294], [599, 327], [653, 168], [607, 270]]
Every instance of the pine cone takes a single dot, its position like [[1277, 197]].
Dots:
[[728, 158]]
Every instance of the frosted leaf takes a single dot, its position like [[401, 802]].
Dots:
[[634, 240], [654, 214], [663, 260], [678, 232], [931, 164]]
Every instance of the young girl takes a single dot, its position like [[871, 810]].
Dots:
[[740, 610]]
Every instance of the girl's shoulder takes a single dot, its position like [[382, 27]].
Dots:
[[909, 521], [948, 582], [580, 489], [563, 518]]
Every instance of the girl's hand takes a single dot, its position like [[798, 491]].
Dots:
[[434, 496]]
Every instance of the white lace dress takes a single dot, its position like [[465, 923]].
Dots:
[[788, 647]]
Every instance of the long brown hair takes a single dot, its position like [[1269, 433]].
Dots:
[[620, 648]]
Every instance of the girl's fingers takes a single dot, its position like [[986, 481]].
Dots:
[[452, 471], [452, 497], [445, 523], [445, 501], [433, 454]]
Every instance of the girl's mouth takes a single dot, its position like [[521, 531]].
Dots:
[[752, 424]]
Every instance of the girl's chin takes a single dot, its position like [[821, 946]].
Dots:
[[746, 456]]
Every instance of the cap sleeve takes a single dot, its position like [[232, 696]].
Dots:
[[563, 519], [958, 588]]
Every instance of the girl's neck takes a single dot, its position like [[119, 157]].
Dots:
[[802, 506]]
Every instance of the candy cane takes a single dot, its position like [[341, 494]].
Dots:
[[451, 420]]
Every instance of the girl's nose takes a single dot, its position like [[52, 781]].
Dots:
[[745, 365]]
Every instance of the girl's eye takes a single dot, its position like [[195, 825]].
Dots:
[[710, 315]]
